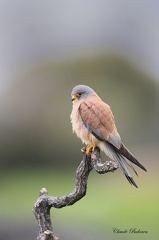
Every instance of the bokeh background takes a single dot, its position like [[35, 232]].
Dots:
[[46, 48]]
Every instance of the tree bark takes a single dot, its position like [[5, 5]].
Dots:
[[44, 203]]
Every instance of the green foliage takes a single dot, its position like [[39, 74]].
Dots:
[[108, 203]]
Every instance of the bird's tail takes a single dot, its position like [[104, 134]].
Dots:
[[114, 155]]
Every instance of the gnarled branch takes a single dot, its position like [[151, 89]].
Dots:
[[44, 203]]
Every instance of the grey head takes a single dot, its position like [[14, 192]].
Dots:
[[81, 92]]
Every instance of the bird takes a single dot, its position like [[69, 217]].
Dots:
[[93, 122]]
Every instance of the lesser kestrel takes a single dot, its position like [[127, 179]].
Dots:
[[93, 122]]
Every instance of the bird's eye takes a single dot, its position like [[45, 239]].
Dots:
[[79, 94]]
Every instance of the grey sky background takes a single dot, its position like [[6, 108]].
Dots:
[[33, 31]]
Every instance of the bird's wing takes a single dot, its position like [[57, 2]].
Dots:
[[123, 151], [98, 119]]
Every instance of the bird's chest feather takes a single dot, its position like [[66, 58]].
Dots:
[[79, 128]]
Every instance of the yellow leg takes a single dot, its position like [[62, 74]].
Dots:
[[90, 148]]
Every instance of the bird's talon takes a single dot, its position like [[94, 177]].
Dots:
[[90, 148]]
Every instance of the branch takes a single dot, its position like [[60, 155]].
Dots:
[[44, 203]]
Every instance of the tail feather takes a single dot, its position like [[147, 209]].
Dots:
[[114, 155], [130, 165], [131, 181], [125, 171]]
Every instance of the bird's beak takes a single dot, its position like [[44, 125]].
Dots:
[[74, 97]]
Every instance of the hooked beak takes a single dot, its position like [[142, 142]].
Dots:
[[74, 97]]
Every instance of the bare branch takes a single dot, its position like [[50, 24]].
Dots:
[[98, 166], [44, 203]]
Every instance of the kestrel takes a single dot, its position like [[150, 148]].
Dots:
[[93, 122]]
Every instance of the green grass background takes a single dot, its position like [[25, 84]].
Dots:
[[108, 204]]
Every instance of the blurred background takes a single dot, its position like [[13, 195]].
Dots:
[[46, 48]]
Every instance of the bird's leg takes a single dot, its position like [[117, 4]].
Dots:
[[90, 148]]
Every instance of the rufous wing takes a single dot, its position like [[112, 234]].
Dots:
[[99, 120]]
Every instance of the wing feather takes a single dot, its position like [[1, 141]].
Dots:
[[99, 120]]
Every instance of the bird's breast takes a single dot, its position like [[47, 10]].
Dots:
[[79, 128]]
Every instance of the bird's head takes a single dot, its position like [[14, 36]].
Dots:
[[81, 92]]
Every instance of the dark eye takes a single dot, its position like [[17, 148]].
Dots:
[[79, 94]]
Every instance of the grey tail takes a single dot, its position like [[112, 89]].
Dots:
[[131, 181], [125, 171], [130, 165], [116, 156]]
